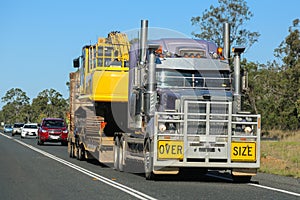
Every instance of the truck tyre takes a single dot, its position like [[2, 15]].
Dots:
[[121, 154], [116, 153], [148, 160], [80, 153], [71, 150]]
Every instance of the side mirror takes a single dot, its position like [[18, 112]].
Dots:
[[76, 63]]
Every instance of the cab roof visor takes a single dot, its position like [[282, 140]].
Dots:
[[153, 46]]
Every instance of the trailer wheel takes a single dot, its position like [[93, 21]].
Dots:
[[148, 160], [71, 149], [116, 153], [80, 152], [121, 155]]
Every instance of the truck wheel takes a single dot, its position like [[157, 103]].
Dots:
[[121, 154], [116, 153], [80, 153], [148, 160], [71, 150]]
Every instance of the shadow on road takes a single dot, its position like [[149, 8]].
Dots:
[[185, 174]]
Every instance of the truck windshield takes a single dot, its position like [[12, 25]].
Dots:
[[169, 78]]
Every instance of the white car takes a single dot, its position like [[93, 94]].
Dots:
[[29, 130]]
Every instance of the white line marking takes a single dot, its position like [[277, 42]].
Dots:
[[256, 185], [6, 136], [103, 179], [275, 189]]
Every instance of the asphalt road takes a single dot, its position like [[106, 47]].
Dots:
[[29, 171]]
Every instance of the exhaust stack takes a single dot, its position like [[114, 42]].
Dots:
[[226, 37], [143, 41], [237, 95], [237, 78], [147, 72]]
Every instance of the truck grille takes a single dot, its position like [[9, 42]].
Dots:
[[206, 118]]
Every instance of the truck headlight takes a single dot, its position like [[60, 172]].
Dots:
[[248, 130], [162, 127]]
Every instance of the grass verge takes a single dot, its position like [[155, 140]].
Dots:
[[281, 157]]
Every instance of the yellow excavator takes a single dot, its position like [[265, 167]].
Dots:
[[98, 90]]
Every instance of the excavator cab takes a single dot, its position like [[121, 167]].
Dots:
[[76, 62]]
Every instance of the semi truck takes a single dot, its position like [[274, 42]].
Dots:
[[180, 111]]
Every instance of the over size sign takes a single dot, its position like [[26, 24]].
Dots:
[[170, 149], [243, 151]]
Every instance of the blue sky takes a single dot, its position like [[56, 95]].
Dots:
[[39, 39]]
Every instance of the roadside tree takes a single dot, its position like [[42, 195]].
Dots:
[[289, 52], [236, 13], [49, 103], [16, 106]]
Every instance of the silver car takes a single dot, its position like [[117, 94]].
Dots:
[[17, 128]]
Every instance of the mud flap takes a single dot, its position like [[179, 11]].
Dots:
[[106, 151], [244, 172]]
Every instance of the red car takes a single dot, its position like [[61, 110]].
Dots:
[[52, 130]]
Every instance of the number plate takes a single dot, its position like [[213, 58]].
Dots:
[[54, 137], [170, 149], [243, 151]]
